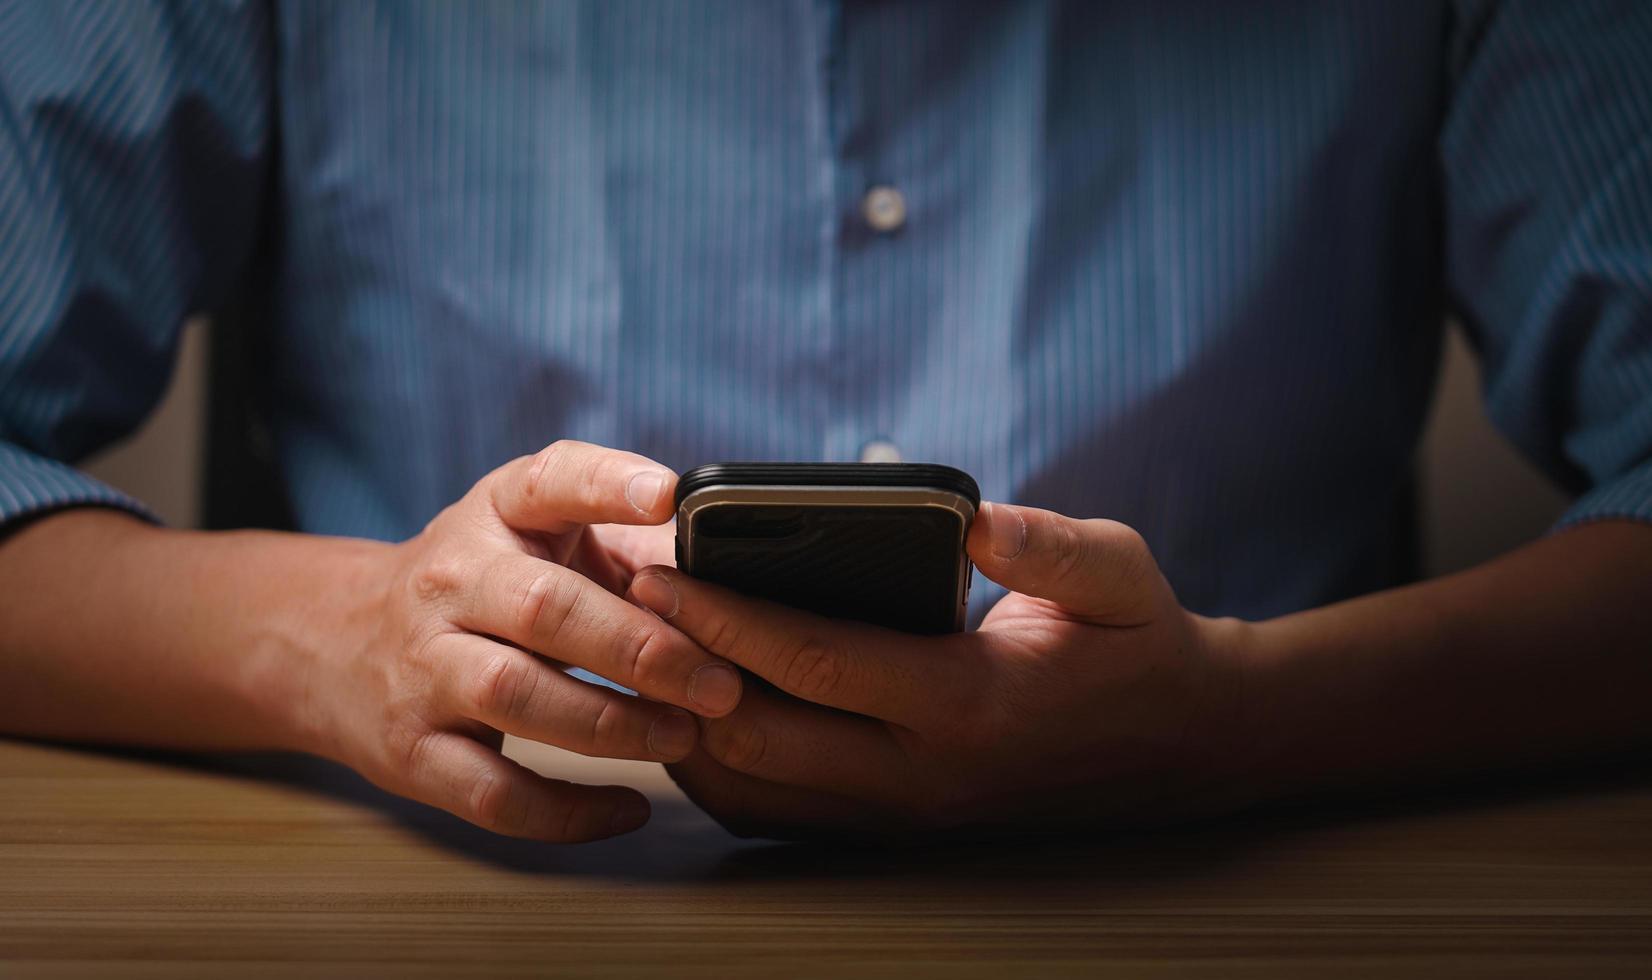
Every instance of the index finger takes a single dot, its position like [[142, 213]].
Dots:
[[570, 483], [908, 680], [542, 606]]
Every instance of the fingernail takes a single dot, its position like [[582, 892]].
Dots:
[[715, 687], [630, 815], [645, 489], [1009, 532], [672, 735], [657, 593]]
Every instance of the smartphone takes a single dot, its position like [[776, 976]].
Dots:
[[878, 542]]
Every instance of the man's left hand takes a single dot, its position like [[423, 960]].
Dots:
[[1088, 696]]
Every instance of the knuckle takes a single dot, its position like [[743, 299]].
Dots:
[[491, 805], [813, 670], [1128, 549], [721, 635], [563, 471], [421, 652], [741, 747], [438, 577], [606, 726], [413, 750], [1071, 555], [647, 655], [544, 465], [1124, 536], [543, 602], [505, 687], [595, 482]]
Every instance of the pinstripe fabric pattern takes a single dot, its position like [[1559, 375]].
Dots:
[[1179, 263]]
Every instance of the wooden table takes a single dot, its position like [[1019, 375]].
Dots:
[[155, 866]]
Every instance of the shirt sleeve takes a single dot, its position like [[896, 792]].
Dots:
[[133, 159], [1547, 178]]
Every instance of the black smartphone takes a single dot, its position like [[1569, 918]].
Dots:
[[879, 542]]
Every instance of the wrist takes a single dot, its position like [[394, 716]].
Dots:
[[1237, 744], [1279, 738], [322, 610]]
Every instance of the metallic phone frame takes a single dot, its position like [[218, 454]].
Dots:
[[747, 494]]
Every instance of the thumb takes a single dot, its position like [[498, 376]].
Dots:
[[1098, 569]]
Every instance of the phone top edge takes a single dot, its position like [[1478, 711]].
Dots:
[[927, 475]]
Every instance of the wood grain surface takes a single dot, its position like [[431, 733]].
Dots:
[[146, 865]]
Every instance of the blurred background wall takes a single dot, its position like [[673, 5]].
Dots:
[[1479, 497]]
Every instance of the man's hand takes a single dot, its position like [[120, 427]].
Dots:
[[459, 643], [1088, 694]]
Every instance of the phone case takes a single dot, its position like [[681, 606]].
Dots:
[[831, 475], [877, 542]]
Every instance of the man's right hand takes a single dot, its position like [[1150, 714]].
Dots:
[[463, 639]]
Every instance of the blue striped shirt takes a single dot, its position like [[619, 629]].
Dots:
[[1179, 263]]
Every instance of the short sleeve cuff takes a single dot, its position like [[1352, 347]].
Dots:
[[1628, 497], [31, 485]]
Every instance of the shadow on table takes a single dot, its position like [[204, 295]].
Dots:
[[682, 844], [1189, 850]]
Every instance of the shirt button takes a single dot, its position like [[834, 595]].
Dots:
[[880, 451], [884, 209]]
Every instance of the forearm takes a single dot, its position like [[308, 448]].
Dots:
[[118, 631], [1543, 654]]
